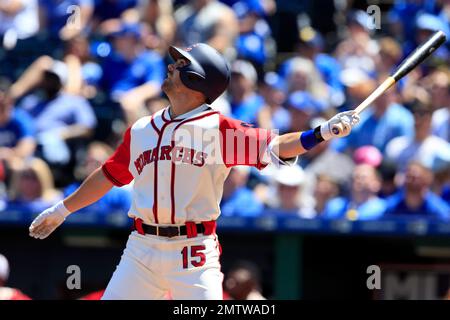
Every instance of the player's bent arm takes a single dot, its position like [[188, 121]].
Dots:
[[292, 144], [92, 189]]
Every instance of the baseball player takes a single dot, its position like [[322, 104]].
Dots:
[[178, 159]]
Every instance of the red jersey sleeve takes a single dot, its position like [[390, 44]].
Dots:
[[242, 144], [116, 167]]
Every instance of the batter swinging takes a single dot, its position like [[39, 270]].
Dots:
[[178, 159]]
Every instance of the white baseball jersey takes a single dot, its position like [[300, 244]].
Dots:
[[179, 165]]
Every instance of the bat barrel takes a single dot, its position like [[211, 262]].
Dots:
[[419, 55]]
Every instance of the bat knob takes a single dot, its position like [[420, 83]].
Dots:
[[335, 130]]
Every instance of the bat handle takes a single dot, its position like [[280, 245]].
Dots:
[[339, 128]]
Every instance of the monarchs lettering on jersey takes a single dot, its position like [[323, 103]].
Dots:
[[177, 154]]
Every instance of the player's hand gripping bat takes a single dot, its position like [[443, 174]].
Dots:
[[413, 60]]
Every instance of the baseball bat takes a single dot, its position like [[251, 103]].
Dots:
[[410, 62]]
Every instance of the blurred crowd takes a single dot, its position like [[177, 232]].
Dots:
[[75, 74]]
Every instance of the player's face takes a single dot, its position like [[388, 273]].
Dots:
[[173, 84]]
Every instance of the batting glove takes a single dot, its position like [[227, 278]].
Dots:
[[48, 221], [340, 125]]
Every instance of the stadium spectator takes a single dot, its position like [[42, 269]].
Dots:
[[58, 116], [387, 170], [117, 199], [85, 72], [302, 108], [288, 194], [423, 146], [363, 203], [32, 187], [65, 19], [385, 120], [243, 282], [17, 142], [415, 197], [311, 45], [131, 72], [155, 17], [245, 102], [158, 16], [254, 42], [238, 199], [273, 115], [358, 85], [389, 56], [208, 21], [368, 155], [425, 25], [438, 84], [302, 75], [19, 19], [358, 50], [7, 293], [325, 189]]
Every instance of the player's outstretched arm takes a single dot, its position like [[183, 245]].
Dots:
[[290, 145], [92, 189]]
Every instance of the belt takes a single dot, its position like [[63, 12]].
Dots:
[[190, 229]]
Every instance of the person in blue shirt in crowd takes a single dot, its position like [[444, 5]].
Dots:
[[117, 199], [363, 203], [303, 108], [131, 73], [311, 45], [238, 199], [17, 140], [245, 101], [383, 121], [416, 199], [254, 33], [425, 24], [274, 115], [423, 145], [57, 115]]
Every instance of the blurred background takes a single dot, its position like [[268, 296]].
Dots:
[[75, 73]]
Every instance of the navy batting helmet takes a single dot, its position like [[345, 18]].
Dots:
[[208, 72]]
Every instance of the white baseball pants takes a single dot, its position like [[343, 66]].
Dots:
[[155, 267]]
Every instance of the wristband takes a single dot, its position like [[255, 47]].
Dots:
[[311, 138], [61, 208]]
